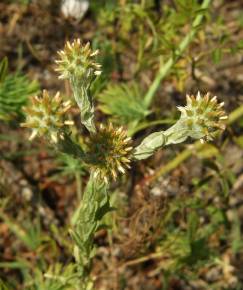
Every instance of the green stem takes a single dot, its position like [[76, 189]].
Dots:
[[164, 69]]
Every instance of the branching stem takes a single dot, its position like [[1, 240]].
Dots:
[[187, 153]]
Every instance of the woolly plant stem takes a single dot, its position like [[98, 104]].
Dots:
[[187, 153], [87, 221], [165, 68], [200, 119]]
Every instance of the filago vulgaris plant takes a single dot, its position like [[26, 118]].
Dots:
[[109, 150]]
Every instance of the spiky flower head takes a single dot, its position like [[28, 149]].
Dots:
[[109, 152], [203, 116], [45, 116], [77, 61]]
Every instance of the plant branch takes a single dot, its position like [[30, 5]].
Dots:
[[185, 154]]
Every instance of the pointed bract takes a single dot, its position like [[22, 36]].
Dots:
[[203, 116], [77, 60], [109, 151]]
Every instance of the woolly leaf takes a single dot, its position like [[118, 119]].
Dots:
[[95, 205]]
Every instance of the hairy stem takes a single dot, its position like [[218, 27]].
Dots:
[[187, 153], [87, 221]]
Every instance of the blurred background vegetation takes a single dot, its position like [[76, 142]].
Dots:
[[178, 223]]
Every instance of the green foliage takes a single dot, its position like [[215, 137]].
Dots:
[[30, 235], [57, 277], [123, 103], [3, 286], [190, 248], [14, 92], [70, 166], [169, 27]]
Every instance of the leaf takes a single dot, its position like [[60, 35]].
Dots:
[[88, 218], [69, 165], [104, 208], [30, 235], [14, 92], [81, 93], [123, 103]]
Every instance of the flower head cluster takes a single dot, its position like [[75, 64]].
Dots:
[[203, 116], [45, 116], [109, 152], [77, 61]]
